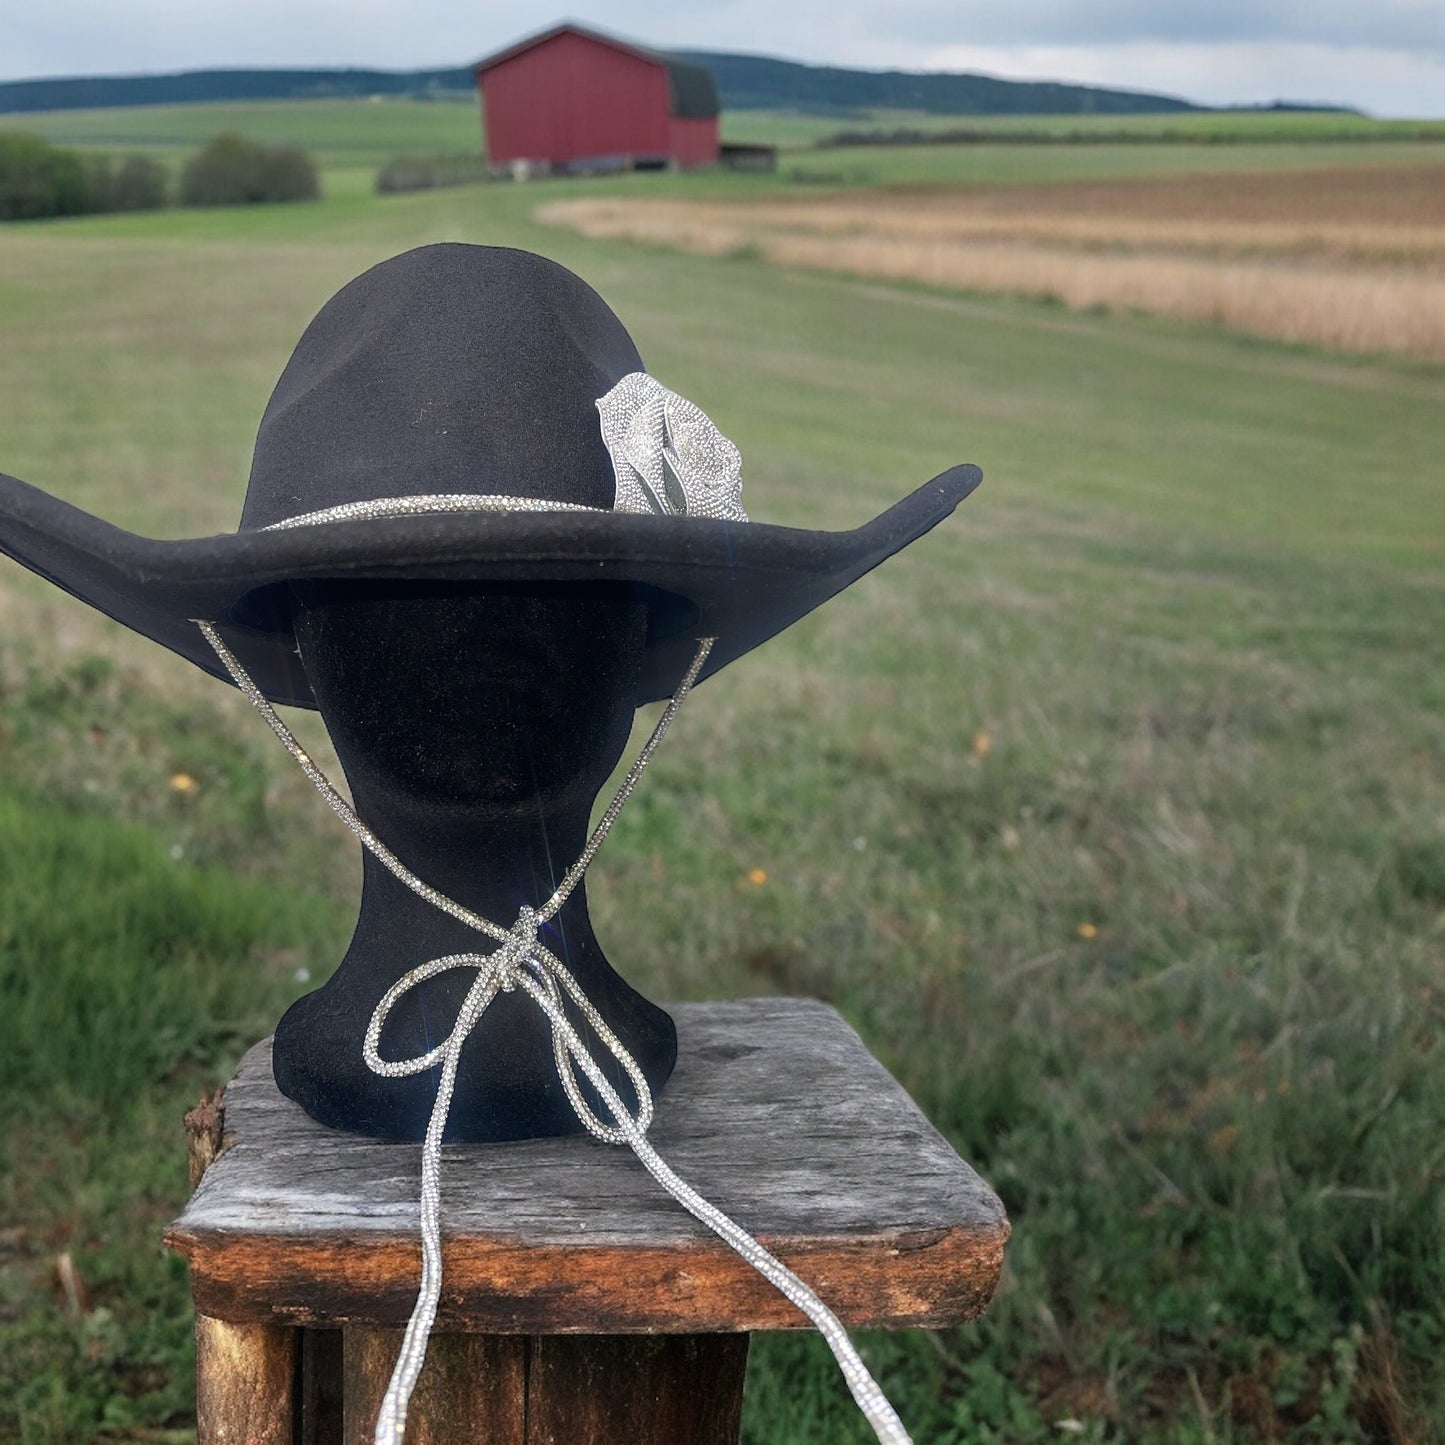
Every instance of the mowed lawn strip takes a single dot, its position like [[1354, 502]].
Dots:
[[350, 131], [1110, 812]]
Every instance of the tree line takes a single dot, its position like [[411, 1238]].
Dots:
[[744, 82], [38, 179]]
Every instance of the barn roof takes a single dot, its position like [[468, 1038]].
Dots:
[[692, 90]]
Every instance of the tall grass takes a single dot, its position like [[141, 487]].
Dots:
[[129, 980], [1157, 944]]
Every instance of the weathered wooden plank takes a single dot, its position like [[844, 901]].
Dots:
[[472, 1390], [245, 1383], [658, 1389], [895, 1281], [776, 1108], [777, 1113]]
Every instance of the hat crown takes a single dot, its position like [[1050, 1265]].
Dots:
[[448, 369]]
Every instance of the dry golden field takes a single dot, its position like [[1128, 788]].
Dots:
[[1349, 258]]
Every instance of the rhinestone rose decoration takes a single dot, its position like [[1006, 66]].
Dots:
[[668, 457]]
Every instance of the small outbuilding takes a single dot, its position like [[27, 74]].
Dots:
[[572, 99]]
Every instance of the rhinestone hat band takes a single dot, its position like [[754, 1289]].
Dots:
[[668, 460], [420, 506]]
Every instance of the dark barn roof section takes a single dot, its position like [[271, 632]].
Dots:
[[691, 89]]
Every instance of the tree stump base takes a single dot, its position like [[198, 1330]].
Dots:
[[579, 1301]]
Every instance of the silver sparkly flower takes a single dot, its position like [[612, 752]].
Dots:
[[668, 457]]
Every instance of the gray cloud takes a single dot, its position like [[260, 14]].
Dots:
[[1383, 24]]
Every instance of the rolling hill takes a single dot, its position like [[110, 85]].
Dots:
[[745, 82]]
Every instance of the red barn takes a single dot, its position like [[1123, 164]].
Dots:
[[573, 99]]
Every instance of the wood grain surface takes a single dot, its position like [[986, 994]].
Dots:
[[471, 1391], [777, 1113], [245, 1376], [678, 1389], [552, 1389]]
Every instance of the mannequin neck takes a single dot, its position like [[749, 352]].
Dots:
[[488, 861]]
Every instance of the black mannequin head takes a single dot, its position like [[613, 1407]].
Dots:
[[475, 728], [500, 703]]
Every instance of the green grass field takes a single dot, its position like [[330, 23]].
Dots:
[[339, 131], [1111, 813], [387, 125], [351, 138]]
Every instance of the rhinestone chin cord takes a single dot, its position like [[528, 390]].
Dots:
[[522, 961]]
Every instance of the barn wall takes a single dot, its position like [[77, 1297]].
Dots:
[[694, 142], [573, 98]]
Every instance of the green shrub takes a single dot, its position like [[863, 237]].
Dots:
[[99, 182], [233, 171], [141, 185], [38, 179], [136, 184], [425, 172]]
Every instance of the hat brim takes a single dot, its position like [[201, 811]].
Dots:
[[742, 582]]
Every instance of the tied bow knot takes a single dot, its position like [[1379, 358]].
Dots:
[[517, 950], [521, 961]]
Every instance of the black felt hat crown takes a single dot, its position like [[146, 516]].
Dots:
[[454, 370]]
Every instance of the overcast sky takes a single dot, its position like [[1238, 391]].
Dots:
[[1386, 56]]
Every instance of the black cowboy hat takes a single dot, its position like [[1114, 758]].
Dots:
[[455, 369]]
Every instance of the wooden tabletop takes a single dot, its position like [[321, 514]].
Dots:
[[777, 1113]]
